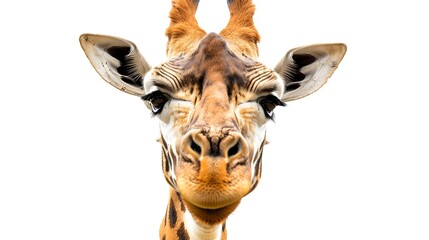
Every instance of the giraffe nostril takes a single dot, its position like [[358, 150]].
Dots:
[[234, 150], [195, 147]]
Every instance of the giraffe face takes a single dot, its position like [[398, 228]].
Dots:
[[213, 106], [213, 100], [213, 103]]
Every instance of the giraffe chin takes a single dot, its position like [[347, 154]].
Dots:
[[204, 216], [212, 196]]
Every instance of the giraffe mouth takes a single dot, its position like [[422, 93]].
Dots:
[[210, 216], [214, 194]]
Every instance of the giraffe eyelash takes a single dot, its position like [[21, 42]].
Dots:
[[268, 103], [156, 101]]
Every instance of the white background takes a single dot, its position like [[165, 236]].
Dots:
[[79, 160]]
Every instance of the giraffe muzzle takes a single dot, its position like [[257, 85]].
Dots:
[[214, 170]]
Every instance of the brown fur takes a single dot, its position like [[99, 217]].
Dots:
[[173, 229], [171, 224], [184, 33], [219, 75], [240, 31], [215, 64]]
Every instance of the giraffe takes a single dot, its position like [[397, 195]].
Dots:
[[213, 99]]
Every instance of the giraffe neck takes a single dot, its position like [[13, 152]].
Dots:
[[197, 231], [178, 223]]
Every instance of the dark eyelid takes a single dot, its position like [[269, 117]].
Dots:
[[153, 94], [272, 99], [148, 96], [156, 95]]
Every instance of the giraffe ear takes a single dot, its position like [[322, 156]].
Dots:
[[306, 69], [117, 60]]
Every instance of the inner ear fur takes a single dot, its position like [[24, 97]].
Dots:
[[117, 60], [306, 69]]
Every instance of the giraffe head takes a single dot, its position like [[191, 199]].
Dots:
[[213, 99]]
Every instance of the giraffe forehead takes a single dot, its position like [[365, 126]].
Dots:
[[214, 64]]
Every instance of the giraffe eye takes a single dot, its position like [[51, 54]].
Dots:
[[156, 101], [268, 103]]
